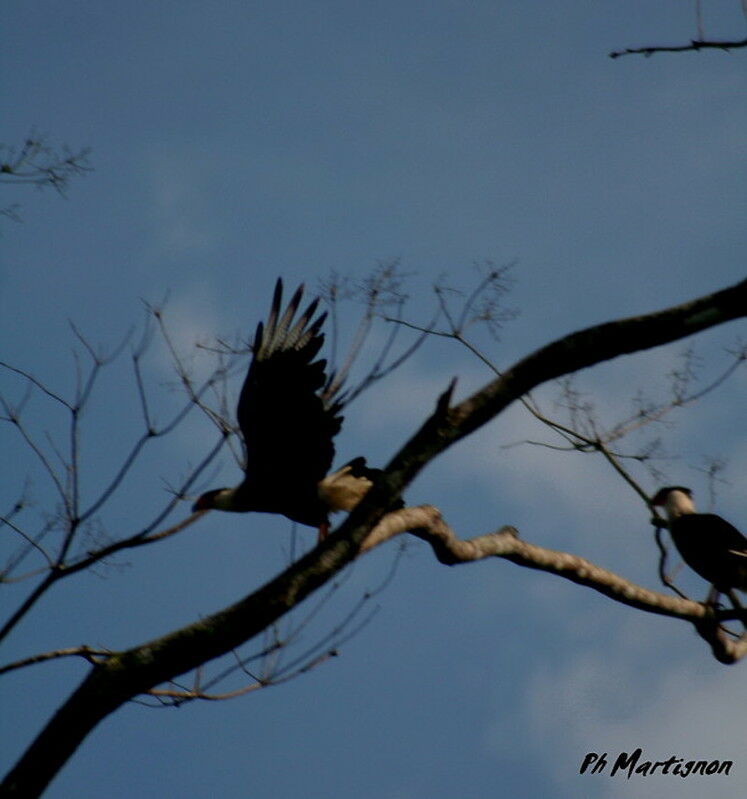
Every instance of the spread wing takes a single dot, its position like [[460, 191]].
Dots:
[[287, 421]]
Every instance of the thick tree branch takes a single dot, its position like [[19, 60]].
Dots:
[[426, 522], [126, 674], [138, 670], [565, 356]]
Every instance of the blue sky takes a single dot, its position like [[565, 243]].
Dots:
[[238, 141]]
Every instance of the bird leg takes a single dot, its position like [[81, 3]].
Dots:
[[323, 532]]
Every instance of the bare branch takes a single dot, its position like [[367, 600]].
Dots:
[[86, 652], [33, 543], [195, 394], [13, 416], [426, 522], [128, 674], [37, 164], [181, 696], [37, 383], [381, 290], [694, 45]]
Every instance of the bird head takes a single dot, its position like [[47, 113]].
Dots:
[[218, 499], [677, 500], [660, 498]]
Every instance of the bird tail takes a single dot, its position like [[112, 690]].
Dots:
[[345, 488]]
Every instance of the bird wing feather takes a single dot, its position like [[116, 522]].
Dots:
[[287, 426]]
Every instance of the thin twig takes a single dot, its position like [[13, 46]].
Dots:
[[694, 45], [86, 652]]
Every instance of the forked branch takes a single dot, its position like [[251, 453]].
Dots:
[[129, 674], [426, 523]]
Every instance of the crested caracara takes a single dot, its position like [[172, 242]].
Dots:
[[709, 545], [289, 413]]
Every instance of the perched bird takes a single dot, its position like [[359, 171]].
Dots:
[[709, 545], [289, 412]]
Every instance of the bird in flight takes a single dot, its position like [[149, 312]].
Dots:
[[710, 546], [289, 412]]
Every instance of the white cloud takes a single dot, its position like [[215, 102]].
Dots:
[[181, 223], [613, 702]]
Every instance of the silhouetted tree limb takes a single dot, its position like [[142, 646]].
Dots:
[[694, 45], [61, 464], [700, 42], [565, 356], [426, 522], [36, 163], [584, 433], [125, 675], [86, 652]]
